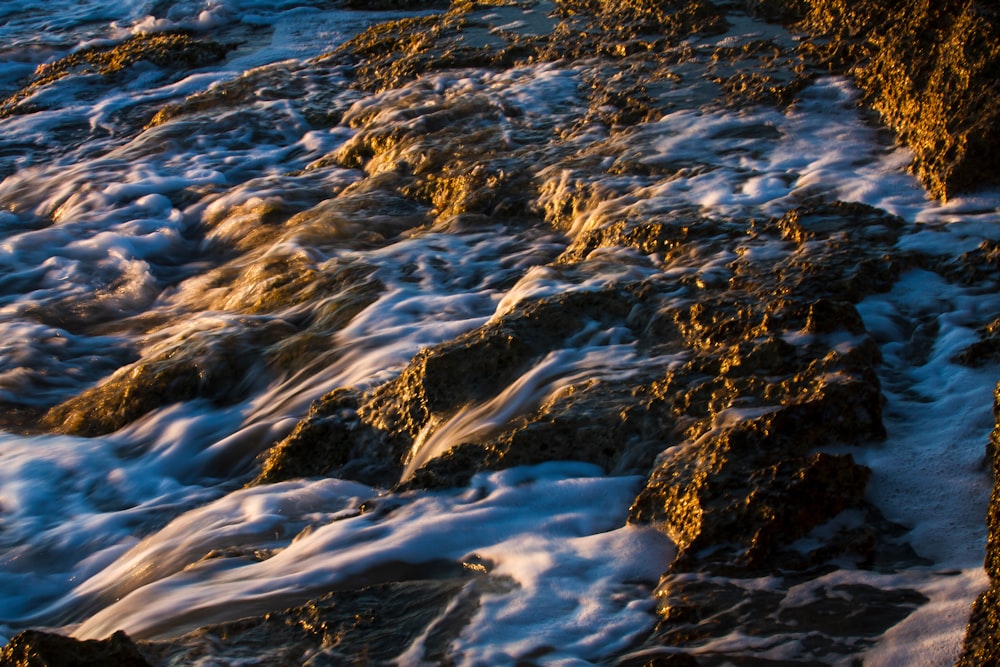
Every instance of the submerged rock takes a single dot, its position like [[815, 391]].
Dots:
[[368, 625], [213, 364]]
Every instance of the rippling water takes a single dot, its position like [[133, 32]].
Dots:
[[212, 235]]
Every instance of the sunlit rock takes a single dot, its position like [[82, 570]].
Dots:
[[332, 440], [212, 364], [166, 50], [931, 71]]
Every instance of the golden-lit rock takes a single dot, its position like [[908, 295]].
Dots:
[[173, 50]]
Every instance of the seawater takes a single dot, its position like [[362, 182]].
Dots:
[[112, 239]]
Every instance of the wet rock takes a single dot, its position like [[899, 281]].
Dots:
[[979, 266], [479, 35], [306, 87], [982, 636], [651, 659], [783, 11], [395, 5], [931, 71], [478, 365], [597, 422], [332, 440], [824, 220], [664, 235], [368, 625], [984, 351], [33, 648], [458, 156], [216, 365], [170, 50], [832, 622], [760, 72], [742, 492]]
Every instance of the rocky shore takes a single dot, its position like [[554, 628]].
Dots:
[[759, 381]]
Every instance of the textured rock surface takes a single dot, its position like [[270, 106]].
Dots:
[[32, 648], [753, 363], [371, 625], [172, 50], [982, 639], [931, 69]]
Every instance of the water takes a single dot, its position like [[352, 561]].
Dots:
[[122, 241]]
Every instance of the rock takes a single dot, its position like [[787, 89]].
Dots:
[[32, 648], [984, 351], [836, 619], [171, 50], [332, 440], [739, 494], [218, 365], [478, 365], [932, 70], [367, 625], [451, 155], [982, 636], [474, 34]]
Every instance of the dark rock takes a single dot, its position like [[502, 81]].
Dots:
[[596, 422], [478, 365], [658, 660], [982, 636], [369, 625], [278, 81], [33, 648], [978, 266], [739, 494], [781, 11], [984, 351], [332, 440], [838, 619]]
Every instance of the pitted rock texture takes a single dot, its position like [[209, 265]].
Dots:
[[32, 648], [982, 638], [931, 69], [170, 50]]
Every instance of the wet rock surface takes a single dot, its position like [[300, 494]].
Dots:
[[930, 70], [371, 625], [167, 50], [748, 376], [32, 648], [982, 639]]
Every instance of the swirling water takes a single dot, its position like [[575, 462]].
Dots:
[[119, 241]]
